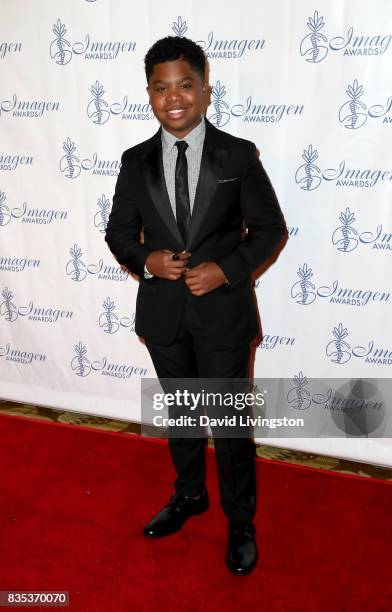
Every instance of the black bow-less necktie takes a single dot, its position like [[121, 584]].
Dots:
[[183, 208]]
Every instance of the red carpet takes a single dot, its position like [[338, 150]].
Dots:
[[74, 500]]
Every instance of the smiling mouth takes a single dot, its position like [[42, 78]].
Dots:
[[176, 112]]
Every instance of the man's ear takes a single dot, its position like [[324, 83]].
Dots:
[[206, 95]]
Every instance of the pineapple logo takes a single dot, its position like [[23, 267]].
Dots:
[[307, 175], [221, 116], [97, 109], [303, 291], [5, 215], [101, 217], [345, 236], [60, 48], [70, 164], [76, 269], [298, 396], [8, 310], [353, 113], [314, 46], [338, 350], [80, 364], [108, 319], [179, 27]]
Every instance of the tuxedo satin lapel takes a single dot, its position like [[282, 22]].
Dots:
[[153, 168], [212, 162]]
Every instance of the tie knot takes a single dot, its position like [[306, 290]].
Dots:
[[181, 145]]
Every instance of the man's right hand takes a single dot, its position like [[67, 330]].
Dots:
[[161, 263]]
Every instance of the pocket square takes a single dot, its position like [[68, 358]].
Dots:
[[228, 180]]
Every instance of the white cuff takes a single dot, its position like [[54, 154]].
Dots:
[[147, 274]]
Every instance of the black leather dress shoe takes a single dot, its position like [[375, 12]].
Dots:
[[241, 555], [172, 516]]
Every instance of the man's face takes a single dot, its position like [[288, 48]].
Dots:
[[177, 96]]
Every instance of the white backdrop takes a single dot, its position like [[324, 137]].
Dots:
[[309, 83]]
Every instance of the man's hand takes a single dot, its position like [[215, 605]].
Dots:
[[161, 263], [204, 278]]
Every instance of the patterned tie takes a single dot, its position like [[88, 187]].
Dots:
[[183, 208]]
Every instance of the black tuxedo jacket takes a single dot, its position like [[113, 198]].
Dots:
[[233, 192]]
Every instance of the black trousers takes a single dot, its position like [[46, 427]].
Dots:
[[191, 357]]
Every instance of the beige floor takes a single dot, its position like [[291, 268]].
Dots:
[[266, 452]]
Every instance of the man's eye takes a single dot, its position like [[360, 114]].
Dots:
[[187, 85], [160, 89]]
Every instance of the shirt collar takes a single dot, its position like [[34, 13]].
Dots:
[[193, 139]]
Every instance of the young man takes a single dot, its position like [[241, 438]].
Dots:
[[191, 188]]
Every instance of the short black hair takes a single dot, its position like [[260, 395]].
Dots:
[[172, 48]]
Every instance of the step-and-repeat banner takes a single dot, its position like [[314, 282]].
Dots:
[[308, 82]]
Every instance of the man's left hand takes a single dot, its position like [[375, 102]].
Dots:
[[204, 278]]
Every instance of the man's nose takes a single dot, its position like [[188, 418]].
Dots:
[[173, 95]]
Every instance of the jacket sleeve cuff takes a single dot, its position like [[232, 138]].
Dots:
[[234, 268]]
